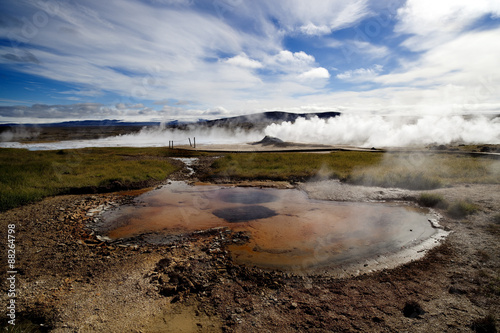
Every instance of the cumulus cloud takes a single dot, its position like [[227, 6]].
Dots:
[[290, 62], [315, 73], [244, 61]]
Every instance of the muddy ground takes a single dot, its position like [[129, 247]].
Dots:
[[70, 280]]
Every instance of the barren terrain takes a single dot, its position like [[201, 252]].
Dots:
[[71, 280]]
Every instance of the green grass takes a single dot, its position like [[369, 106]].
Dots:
[[28, 176], [418, 171], [432, 200], [403, 170], [461, 209], [292, 166]]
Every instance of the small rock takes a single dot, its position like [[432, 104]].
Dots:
[[103, 238]]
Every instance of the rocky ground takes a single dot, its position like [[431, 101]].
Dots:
[[70, 280]]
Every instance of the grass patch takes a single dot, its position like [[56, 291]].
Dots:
[[419, 171], [413, 180], [292, 166], [462, 209], [432, 200], [28, 176], [403, 170]]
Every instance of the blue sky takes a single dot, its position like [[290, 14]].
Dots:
[[189, 59]]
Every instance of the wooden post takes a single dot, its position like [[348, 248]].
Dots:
[[190, 145], [194, 139]]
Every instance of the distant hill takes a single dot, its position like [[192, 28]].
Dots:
[[93, 129], [86, 123], [266, 118], [255, 119]]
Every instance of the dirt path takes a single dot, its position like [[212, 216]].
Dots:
[[70, 281]]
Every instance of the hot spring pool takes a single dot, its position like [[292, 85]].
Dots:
[[288, 231]]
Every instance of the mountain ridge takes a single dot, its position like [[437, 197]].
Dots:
[[255, 118]]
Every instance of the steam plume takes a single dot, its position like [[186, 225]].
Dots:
[[389, 131]]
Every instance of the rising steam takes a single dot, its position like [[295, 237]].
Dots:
[[152, 137], [19, 133], [346, 129], [389, 131]]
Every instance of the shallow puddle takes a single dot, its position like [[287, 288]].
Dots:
[[287, 230]]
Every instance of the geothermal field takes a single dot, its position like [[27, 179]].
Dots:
[[255, 226]]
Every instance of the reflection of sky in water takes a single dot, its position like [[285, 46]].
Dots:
[[288, 230]]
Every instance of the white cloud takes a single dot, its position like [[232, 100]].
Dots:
[[315, 73], [465, 61], [289, 62], [315, 30], [239, 59], [218, 111], [243, 61], [371, 50], [83, 92], [360, 74], [174, 54], [315, 17], [125, 106], [434, 22]]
